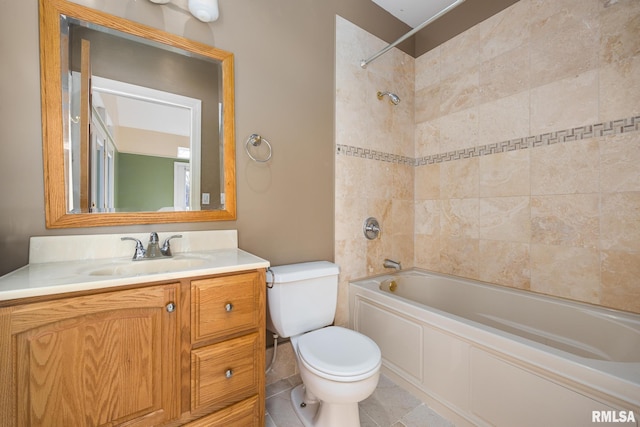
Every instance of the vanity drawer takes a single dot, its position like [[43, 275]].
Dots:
[[225, 373], [225, 306], [243, 414]]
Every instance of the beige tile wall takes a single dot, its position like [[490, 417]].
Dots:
[[561, 219], [540, 101], [380, 184]]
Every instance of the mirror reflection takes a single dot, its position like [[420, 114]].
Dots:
[[137, 123], [140, 143], [144, 146]]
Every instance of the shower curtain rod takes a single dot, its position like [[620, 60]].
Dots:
[[366, 62]]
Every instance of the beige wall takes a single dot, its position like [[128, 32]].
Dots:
[[374, 157], [284, 53], [527, 136]]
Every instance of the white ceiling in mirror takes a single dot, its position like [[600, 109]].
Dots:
[[145, 121], [142, 114], [414, 12]]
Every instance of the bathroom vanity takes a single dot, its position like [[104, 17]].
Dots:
[[104, 340]]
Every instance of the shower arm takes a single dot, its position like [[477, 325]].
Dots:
[[366, 62]]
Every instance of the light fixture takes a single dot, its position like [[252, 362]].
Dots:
[[204, 10]]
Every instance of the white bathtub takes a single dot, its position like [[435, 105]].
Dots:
[[482, 354]]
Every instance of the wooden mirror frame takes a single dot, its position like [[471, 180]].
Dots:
[[56, 214]]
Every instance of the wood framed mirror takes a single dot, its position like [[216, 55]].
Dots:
[[114, 150]]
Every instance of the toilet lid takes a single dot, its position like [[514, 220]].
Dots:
[[339, 352]]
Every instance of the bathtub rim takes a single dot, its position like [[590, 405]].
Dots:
[[606, 311], [619, 380]]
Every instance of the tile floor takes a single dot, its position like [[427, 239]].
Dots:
[[388, 406]]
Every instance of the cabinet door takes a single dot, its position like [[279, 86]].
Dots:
[[99, 360]]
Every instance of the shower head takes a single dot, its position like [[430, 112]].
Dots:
[[393, 98]]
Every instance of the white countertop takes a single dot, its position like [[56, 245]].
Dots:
[[73, 263]]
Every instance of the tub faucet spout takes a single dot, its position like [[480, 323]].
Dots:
[[388, 263]]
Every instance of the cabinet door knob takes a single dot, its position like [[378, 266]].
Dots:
[[229, 373], [228, 306], [171, 307]]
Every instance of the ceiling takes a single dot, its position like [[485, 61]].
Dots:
[[414, 12], [457, 20], [148, 115]]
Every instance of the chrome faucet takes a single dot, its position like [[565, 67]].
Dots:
[[153, 250], [388, 263]]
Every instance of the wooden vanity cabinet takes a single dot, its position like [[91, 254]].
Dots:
[[227, 339], [97, 360], [162, 354]]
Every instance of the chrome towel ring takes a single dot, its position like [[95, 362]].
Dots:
[[256, 140]]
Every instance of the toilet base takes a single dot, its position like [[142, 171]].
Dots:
[[324, 414], [304, 411]]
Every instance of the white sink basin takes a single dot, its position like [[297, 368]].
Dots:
[[154, 266]]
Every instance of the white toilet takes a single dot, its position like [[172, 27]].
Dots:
[[339, 367]]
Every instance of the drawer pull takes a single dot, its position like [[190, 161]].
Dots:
[[228, 307], [171, 307], [229, 373]]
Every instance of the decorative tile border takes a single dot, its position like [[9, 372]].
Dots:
[[366, 153], [615, 127]]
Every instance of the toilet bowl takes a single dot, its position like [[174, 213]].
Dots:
[[339, 367]]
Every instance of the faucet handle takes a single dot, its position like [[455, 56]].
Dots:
[[140, 251], [166, 247]]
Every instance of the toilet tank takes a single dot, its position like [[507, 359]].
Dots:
[[301, 297]]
